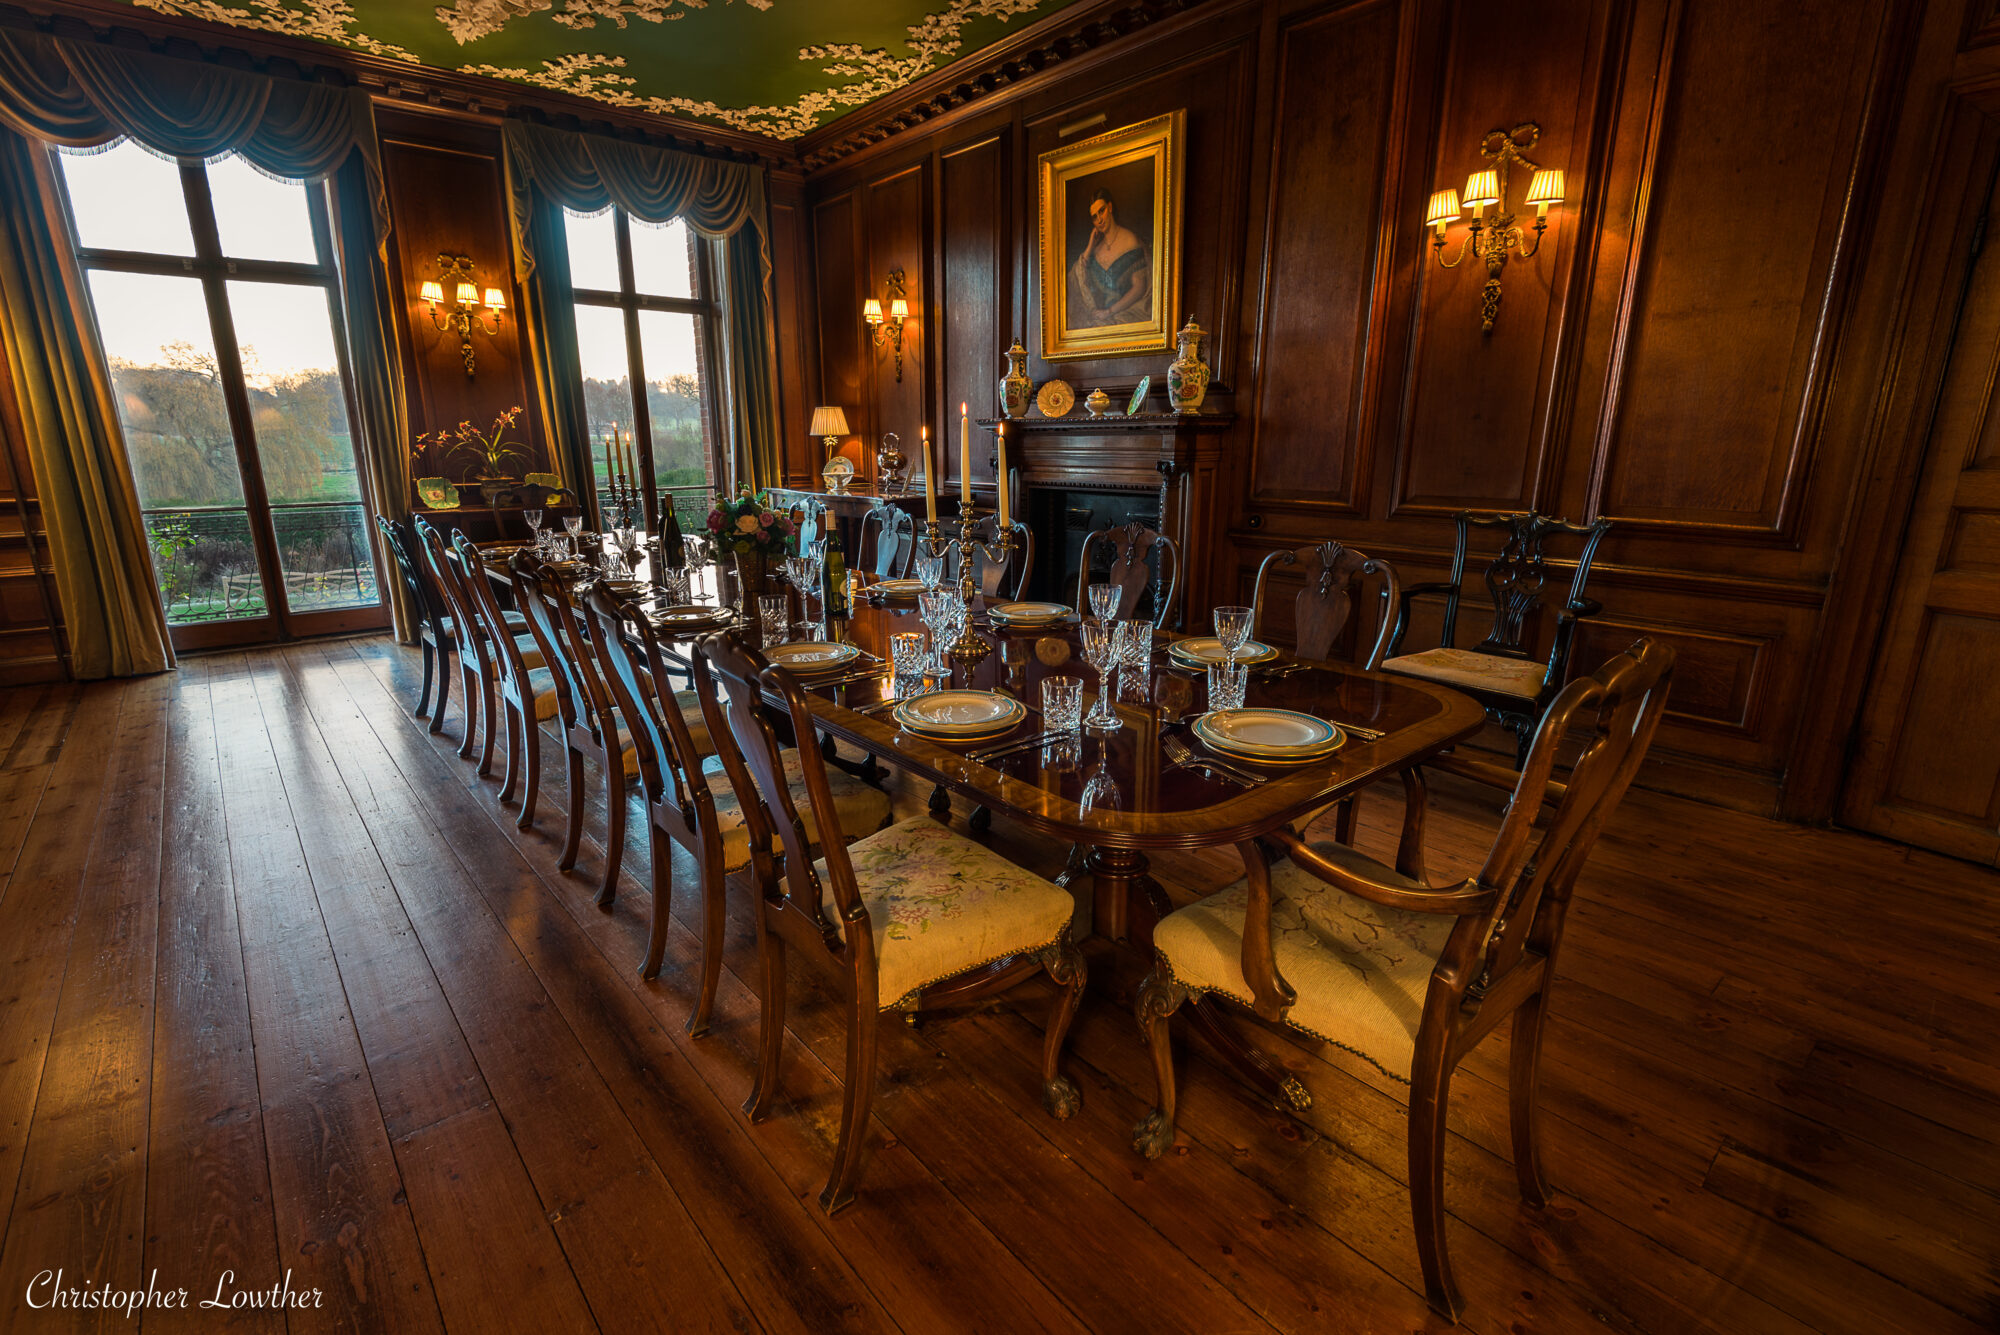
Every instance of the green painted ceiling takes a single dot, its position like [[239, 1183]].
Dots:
[[776, 67]]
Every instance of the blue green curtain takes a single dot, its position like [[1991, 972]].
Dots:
[[550, 170]]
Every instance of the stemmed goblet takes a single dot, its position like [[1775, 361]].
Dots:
[[1104, 601], [1100, 650], [1232, 627]]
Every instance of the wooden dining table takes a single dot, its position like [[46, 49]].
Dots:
[[1118, 795]]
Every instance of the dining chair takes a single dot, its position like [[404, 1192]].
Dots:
[[469, 644], [1006, 579], [434, 629], [1332, 583], [921, 917], [677, 770], [1133, 550], [519, 677], [1407, 976], [888, 540], [809, 520], [1500, 672]]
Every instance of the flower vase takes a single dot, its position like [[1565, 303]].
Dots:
[[1187, 377], [1015, 387], [753, 577]]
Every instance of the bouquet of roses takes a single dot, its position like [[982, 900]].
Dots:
[[746, 523]]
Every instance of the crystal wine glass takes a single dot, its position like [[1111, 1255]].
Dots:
[[1135, 651], [573, 525], [930, 570], [1232, 627], [534, 518], [1104, 601], [935, 608], [1100, 650]]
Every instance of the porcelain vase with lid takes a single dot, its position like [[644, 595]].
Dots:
[[1187, 377], [1016, 390]]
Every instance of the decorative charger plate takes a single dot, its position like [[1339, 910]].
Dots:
[[898, 588], [690, 615], [836, 473], [1201, 650], [960, 715], [1029, 614], [812, 656], [1139, 396], [1270, 736], [1055, 398]]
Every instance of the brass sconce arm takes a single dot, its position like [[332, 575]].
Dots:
[[887, 325], [1495, 240], [466, 310]]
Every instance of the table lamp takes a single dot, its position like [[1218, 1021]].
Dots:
[[829, 424]]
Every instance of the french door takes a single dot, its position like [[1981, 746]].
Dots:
[[216, 300]]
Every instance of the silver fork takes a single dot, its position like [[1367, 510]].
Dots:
[[1178, 752]]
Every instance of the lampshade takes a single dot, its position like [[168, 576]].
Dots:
[[1444, 208], [828, 422], [431, 292], [468, 295], [1545, 189], [871, 311], [1481, 189], [494, 299], [899, 309]]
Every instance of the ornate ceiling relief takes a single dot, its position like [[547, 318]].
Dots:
[[745, 70]]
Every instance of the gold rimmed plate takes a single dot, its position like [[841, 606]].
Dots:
[[897, 588], [960, 716], [812, 657], [1201, 650], [1269, 736], [1029, 614]]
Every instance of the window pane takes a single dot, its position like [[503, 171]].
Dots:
[[297, 403], [163, 369], [127, 199], [607, 382], [259, 218], [593, 250], [671, 347], [662, 259], [325, 554], [206, 564]]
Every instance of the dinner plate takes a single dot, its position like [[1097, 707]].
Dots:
[[1201, 650], [811, 656], [1029, 614], [1271, 736], [692, 614], [898, 588], [960, 715]]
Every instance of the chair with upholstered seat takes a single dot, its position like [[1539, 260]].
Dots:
[[434, 631], [1409, 977], [1332, 581], [473, 649], [921, 917], [1514, 686], [678, 772], [520, 678], [1133, 550]]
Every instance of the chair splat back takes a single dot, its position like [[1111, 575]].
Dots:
[[1007, 578], [629, 650], [889, 537], [446, 569], [1517, 579], [1333, 572], [543, 597], [424, 598], [1133, 548]]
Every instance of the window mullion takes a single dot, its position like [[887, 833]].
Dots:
[[635, 364]]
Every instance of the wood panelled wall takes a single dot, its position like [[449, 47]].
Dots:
[[1722, 342]]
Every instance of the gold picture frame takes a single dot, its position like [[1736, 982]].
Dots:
[[1104, 202]]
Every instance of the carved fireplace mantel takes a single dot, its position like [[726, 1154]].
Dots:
[[1176, 453]]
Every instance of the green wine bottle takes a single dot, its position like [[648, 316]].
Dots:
[[833, 575]]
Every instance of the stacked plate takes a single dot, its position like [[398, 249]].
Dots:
[[897, 588], [960, 716], [690, 618], [1028, 614], [809, 658], [1200, 650], [1269, 736]]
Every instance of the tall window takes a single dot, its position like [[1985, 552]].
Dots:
[[645, 330], [214, 292]]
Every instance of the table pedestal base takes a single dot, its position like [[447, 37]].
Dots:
[[1125, 901]]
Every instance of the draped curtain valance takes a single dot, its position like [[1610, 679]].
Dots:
[[81, 93], [550, 170]]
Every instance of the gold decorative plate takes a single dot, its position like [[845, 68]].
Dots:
[[1055, 398]]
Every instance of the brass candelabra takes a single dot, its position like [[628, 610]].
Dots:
[[970, 649]]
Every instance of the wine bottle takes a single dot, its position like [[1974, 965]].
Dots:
[[833, 575], [672, 544]]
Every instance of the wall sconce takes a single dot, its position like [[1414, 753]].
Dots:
[[461, 313], [1483, 190], [891, 325]]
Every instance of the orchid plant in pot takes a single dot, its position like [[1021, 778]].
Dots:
[[490, 448]]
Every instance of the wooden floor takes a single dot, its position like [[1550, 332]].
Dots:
[[285, 992]]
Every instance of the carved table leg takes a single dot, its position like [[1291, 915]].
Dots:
[[1125, 900], [1275, 1081]]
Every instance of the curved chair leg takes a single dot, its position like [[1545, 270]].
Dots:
[[1065, 966], [1523, 1079], [771, 1022], [490, 714], [614, 827], [430, 667], [855, 1102], [444, 690], [714, 919], [574, 837], [510, 780], [1430, 1089], [661, 851], [469, 680], [1159, 997], [531, 738]]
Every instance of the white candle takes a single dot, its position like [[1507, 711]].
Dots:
[[930, 482], [964, 457], [1001, 480]]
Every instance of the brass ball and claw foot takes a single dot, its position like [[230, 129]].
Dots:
[[1060, 1098], [1154, 1135], [1296, 1094]]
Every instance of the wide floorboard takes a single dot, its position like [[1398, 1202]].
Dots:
[[289, 1001]]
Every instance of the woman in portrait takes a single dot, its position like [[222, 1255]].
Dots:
[[1113, 275]]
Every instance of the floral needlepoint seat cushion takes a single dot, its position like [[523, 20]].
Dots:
[[1474, 671], [859, 807], [1361, 970], [690, 706], [940, 905]]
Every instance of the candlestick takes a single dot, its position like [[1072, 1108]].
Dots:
[[964, 457], [930, 484], [970, 649], [1000, 477]]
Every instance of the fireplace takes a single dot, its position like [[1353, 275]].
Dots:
[[1061, 518]]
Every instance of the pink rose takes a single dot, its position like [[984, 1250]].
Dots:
[[763, 538], [767, 519]]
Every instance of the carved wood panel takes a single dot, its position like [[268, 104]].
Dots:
[[974, 242], [843, 340], [797, 332], [897, 212]]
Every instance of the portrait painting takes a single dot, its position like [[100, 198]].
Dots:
[[1110, 242]]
